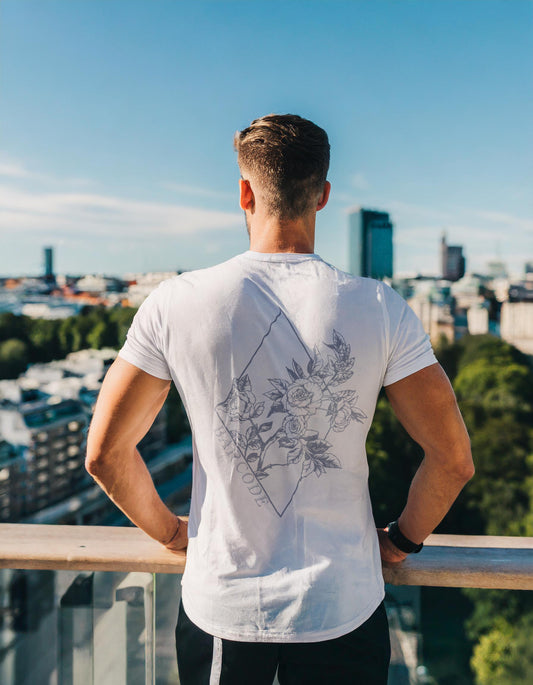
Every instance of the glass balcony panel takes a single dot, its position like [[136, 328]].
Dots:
[[80, 628]]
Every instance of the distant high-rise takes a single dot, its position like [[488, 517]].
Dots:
[[49, 276], [452, 260], [370, 244]]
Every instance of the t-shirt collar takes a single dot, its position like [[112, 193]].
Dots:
[[280, 256]]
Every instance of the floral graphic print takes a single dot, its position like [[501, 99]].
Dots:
[[285, 433]]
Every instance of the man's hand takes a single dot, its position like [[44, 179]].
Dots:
[[179, 541], [390, 554]]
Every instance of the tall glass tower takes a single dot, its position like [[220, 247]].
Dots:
[[370, 244]]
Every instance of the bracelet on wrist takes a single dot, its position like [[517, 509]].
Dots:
[[175, 533]]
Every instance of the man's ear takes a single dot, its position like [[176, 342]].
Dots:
[[247, 199], [323, 200]]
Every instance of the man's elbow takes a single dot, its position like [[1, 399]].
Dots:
[[463, 464], [467, 470], [93, 462], [97, 459]]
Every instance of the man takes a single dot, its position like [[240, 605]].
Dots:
[[279, 359]]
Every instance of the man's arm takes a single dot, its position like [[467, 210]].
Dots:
[[425, 404], [127, 405]]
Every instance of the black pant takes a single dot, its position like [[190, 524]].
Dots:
[[360, 657]]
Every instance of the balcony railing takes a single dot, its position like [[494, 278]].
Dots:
[[479, 561], [97, 604]]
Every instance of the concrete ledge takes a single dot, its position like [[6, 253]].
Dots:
[[445, 561]]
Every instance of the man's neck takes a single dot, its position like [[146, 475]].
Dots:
[[289, 236]]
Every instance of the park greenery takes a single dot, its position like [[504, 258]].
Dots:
[[493, 382]]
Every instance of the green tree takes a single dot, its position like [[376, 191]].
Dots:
[[44, 340], [504, 656], [13, 357], [177, 421], [69, 336], [393, 458], [13, 326], [495, 386], [122, 317], [103, 334]]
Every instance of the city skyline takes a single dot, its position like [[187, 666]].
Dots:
[[118, 120]]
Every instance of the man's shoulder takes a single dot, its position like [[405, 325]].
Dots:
[[197, 276]]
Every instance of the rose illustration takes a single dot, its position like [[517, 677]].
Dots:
[[303, 397], [294, 426], [342, 415]]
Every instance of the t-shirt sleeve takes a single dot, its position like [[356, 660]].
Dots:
[[143, 347], [409, 345]]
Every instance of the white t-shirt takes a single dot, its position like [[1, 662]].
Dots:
[[279, 359]]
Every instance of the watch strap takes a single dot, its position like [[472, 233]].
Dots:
[[399, 540]]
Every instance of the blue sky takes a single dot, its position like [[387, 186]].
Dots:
[[117, 119]]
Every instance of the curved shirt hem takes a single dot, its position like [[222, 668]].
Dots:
[[144, 365], [269, 636], [427, 359]]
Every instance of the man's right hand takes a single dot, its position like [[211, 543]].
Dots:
[[390, 554]]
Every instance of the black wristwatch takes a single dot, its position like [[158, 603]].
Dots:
[[399, 540]]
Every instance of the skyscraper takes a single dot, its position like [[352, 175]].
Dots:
[[452, 260], [49, 276], [370, 236]]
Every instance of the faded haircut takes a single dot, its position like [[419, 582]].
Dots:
[[289, 158]]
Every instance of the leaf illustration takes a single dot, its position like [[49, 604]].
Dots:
[[358, 415], [349, 395], [279, 384], [252, 457], [251, 431], [273, 395], [260, 474], [298, 369], [243, 383], [276, 409], [264, 427], [293, 376], [287, 442], [330, 461], [308, 468], [294, 456], [318, 447], [338, 340], [341, 377]]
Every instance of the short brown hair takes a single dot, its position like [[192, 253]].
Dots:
[[289, 157]]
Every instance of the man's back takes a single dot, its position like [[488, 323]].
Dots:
[[279, 359]]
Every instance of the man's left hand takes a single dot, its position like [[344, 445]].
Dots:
[[390, 554]]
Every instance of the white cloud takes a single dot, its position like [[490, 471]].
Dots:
[[198, 191], [18, 171], [97, 214], [360, 181], [509, 220]]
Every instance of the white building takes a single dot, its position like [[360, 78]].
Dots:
[[144, 284], [477, 317], [516, 325]]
